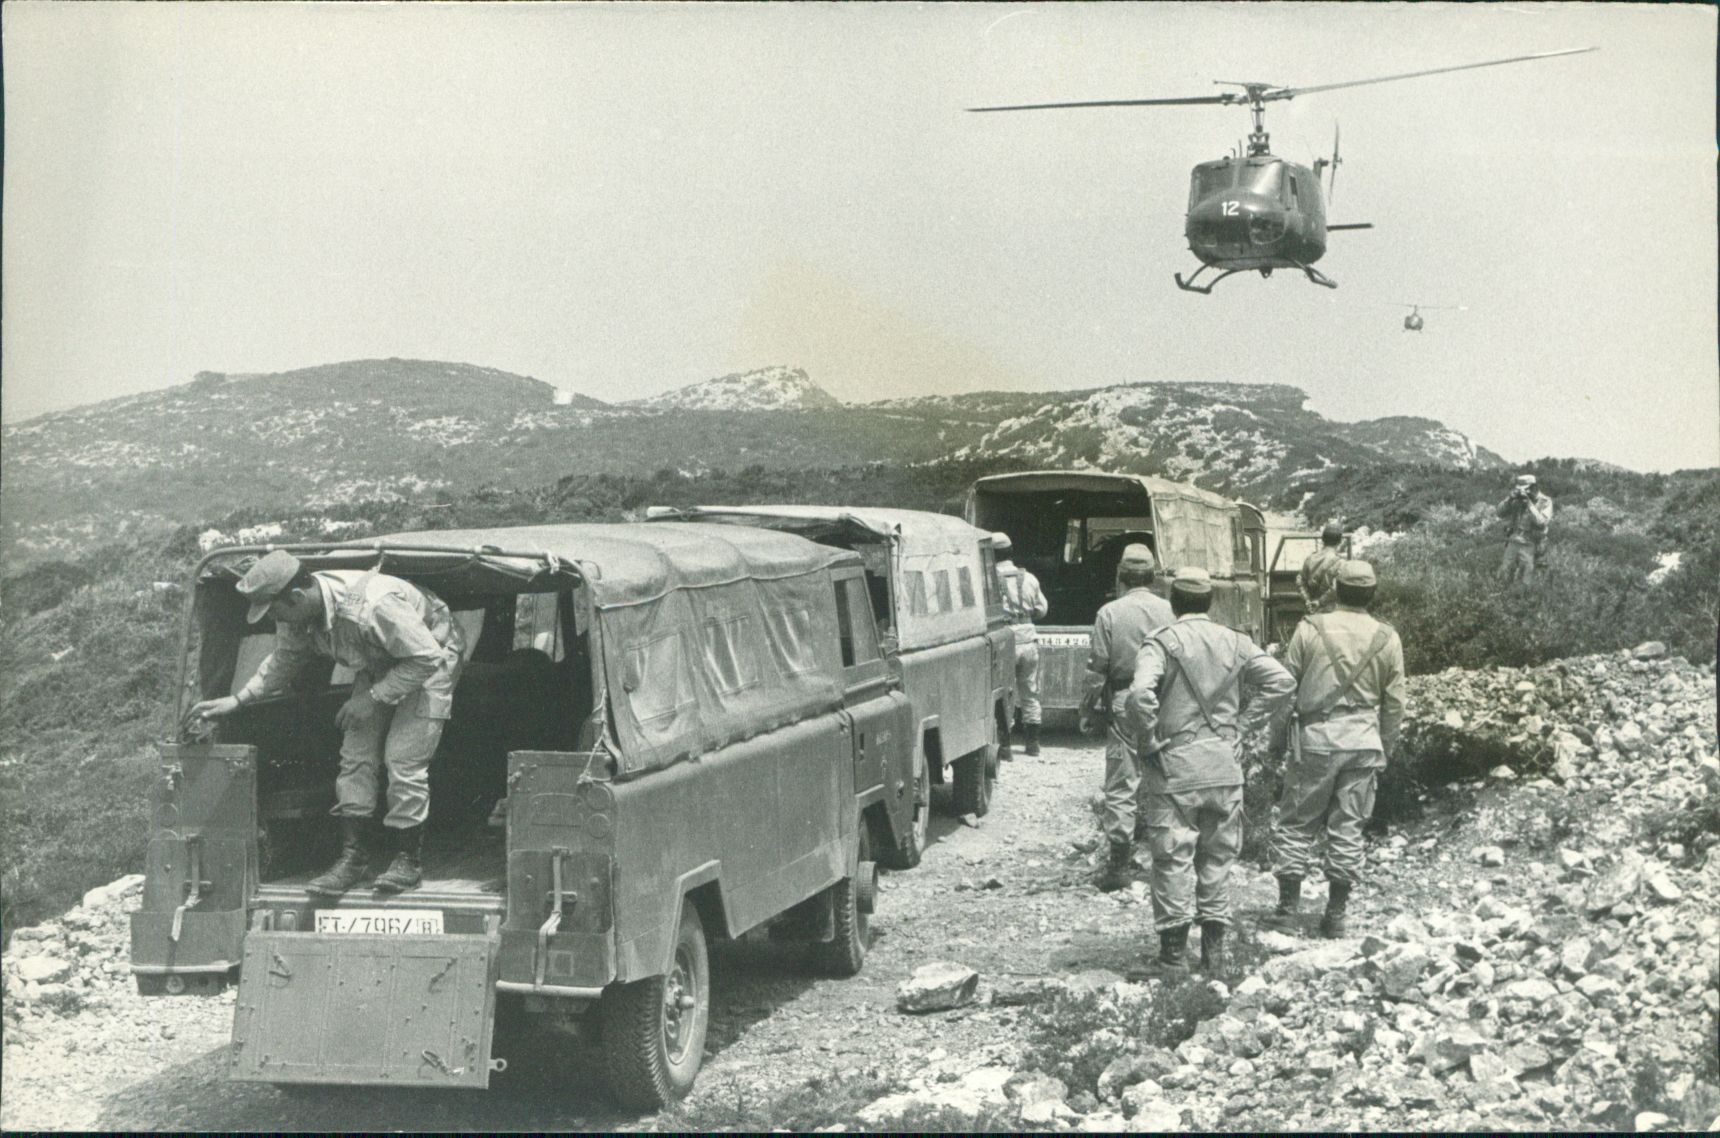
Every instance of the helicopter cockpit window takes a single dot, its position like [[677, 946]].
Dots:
[[1209, 180], [1262, 179], [1292, 191]]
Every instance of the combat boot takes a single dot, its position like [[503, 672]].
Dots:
[[1332, 925], [1031, 730], [1283, 918], [406, 870], [353, 864], [1119, 868], [1172, 960], [1212, 954]]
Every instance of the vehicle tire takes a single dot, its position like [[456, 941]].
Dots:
[[653, 1031], [907, 853], [972, 784], [845, 954]]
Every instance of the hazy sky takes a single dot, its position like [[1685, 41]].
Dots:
[[620, 199]]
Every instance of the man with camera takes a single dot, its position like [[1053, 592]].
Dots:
[[1526, 513]]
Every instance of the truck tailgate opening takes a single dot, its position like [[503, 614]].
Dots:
[[365, 1010]]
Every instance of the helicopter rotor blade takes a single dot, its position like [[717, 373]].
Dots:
[[1292, 92], [1332, 180], [1192, 101]]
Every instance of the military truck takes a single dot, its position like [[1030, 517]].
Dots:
[[932, 580], [691, 733], [1069, 528]]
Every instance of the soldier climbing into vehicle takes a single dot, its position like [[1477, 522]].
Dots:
[[406, 651]]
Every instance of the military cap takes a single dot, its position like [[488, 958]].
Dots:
[[1192, 582], [1000, 541], [1525, 480], [1332, 532], [266, 580], [1137, 556], [1356, 573]]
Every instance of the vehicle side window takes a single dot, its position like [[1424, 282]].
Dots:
[[964, 579], [1074, 543], [657, 680], [731, 660], [536, 624], [854, 623], [993, 587], [916, 583], [946, 600], [1241, 553]]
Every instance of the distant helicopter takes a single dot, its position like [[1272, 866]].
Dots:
[[1258, 212], [1413, 322]]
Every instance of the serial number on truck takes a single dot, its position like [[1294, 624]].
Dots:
[[381, 922]]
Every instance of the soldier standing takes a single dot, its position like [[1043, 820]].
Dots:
[[1186, 706], [1023, 603], [1527, 513], [1349, 707], [1319, 572], [1121, 628], [406, 651]]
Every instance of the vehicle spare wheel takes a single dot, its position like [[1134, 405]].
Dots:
[[654, 1030]]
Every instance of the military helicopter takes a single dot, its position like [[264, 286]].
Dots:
[[1413, 322], [1256, 211]]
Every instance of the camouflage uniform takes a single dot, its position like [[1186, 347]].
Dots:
[[406, 650]]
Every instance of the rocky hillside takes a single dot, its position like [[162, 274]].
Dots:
[[1240, 437], [418, 431], [763, 389]]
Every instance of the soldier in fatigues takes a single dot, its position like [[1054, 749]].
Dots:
[[1186, 706], [1118, 633], [406, 651], [1319, 572], [1349, 707], [1023, 603]]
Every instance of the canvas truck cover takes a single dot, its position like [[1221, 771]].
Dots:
[[1192, 527], [939, 587], [707, 637]]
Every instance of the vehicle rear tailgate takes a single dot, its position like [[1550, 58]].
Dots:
[[358, 1009]]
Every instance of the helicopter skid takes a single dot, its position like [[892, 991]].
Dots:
[[1264, 270]]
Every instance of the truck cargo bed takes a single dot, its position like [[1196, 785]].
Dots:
[[467, 868]]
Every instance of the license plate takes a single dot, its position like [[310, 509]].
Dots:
[[380, 922]]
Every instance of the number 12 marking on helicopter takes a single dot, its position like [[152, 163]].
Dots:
[[1230, 208]]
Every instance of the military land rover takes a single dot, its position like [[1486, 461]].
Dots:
[[933, 584], [693, 733]]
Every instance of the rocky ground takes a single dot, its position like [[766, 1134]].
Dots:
[[1538, 948]]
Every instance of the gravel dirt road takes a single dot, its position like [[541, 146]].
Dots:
[[126, 1063]]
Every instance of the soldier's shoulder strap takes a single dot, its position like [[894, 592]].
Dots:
[[1342, 684]]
